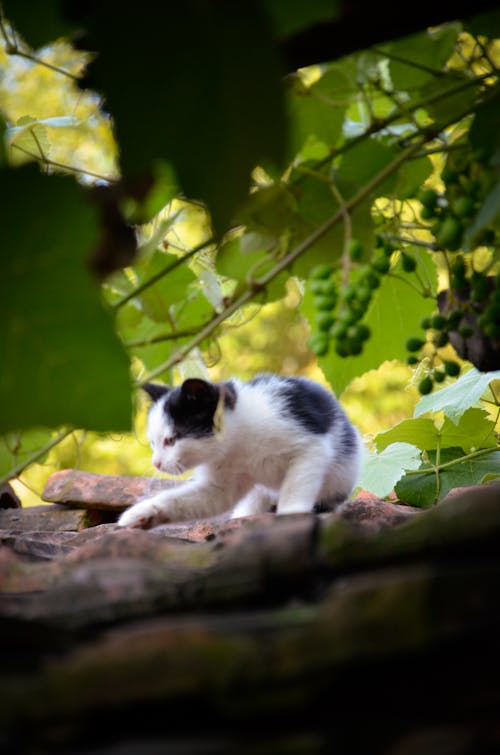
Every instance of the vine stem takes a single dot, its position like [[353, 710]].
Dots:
[[160, 274], [256, 286], [54, 164], [436, 468], [12, 48], [19, 469]]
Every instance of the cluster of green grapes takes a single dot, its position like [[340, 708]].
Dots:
[[340, 309], [470, 309], [466, 184], [471, 306]]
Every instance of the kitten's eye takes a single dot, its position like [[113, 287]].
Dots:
[[169, 441]]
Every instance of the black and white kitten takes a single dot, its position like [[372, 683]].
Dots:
[[273, 439]]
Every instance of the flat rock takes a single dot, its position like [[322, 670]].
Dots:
[[44, 519], [373, 513], [100, 491]]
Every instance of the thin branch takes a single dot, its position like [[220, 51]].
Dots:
[[19, 469], [160, 274], [62, 166], [12, 48], [453, 462], [410, 63]]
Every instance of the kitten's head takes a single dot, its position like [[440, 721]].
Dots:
[[181, 423]]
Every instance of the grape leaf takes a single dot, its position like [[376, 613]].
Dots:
[[473, 431], [422, 489], [28, 139], [380, 472], [456, 398], [62, 361], [419, 55], [196, 63], [317, 110]]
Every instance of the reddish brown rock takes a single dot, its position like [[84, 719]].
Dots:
[[375, 513], [99, 491]]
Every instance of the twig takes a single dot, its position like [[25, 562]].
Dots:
[[62, 166], [160, 274], [19, 469]]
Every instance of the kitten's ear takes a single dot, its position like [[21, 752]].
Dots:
[[155, 391], [197, 389]]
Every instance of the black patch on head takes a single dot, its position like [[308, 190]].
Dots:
[[156, 391], [192, 406], [309, 404]]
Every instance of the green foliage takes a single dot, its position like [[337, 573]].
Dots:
[[382, 471], [379, 169], [69, 370], [194, 107], [461, 450]]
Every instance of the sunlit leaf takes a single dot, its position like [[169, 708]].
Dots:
[[474, 431], [419, 57], [456, 398], [380, 472]]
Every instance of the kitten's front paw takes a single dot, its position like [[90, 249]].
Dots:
[[145, 514]]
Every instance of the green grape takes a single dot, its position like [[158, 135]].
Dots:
[[451, 368], [412, 359], [427, 213], [318, 343], [364, 294], [371, 279], [355, 250], [329, 286], [449, 235], [414, 344], [425, 385], [441, 339], [381, 265], [439, 376], [324, 320], [438, 322], [463, 207], [428, 197], [425, 323], [325, 303], [321, 271], [338, 330], [316, 285], [342, 348]]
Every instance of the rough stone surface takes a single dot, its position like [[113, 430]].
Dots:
[[97, 491], [269, 632]]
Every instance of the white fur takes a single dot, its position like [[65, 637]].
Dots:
[[261, 455]]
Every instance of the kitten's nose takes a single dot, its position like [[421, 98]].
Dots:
[[157, 464]]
